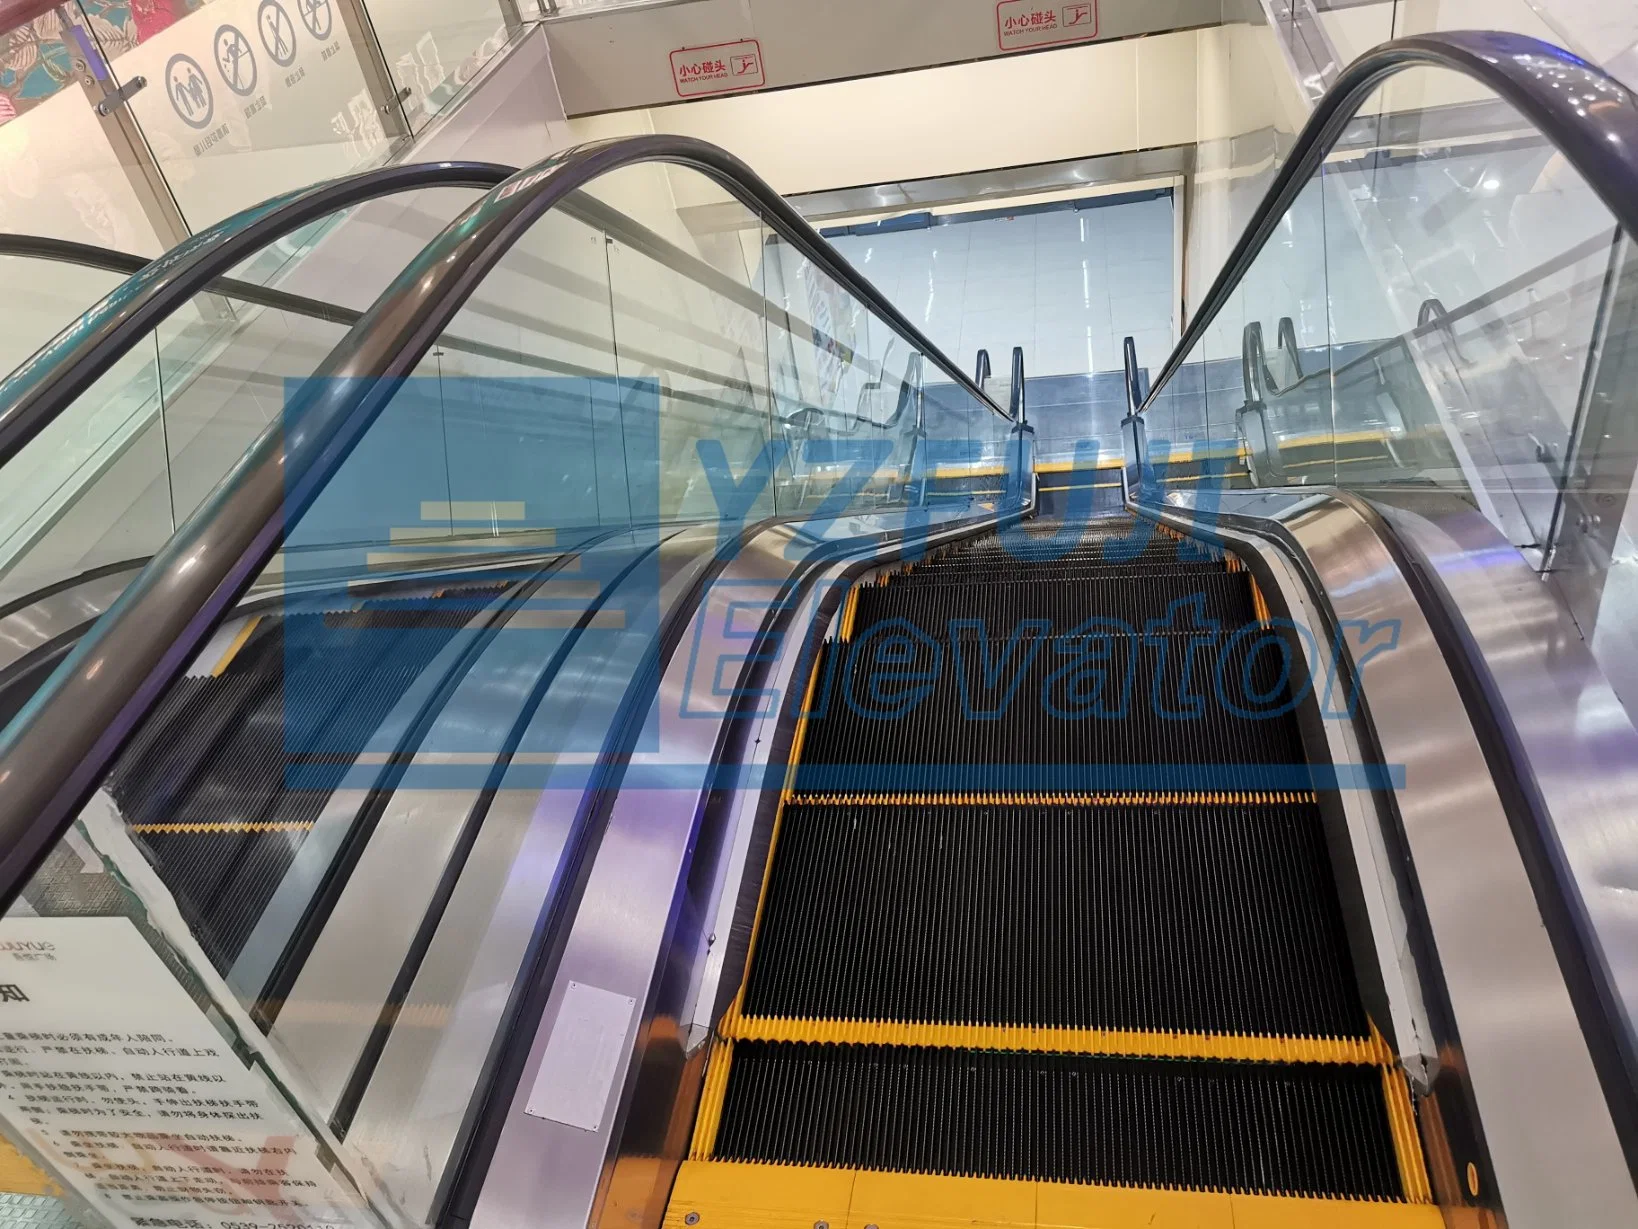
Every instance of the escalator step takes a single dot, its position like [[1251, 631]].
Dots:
[[902, 713], [1193, 919], [1260, 1127], [1056, 571], [1132, 601], [206, 788]]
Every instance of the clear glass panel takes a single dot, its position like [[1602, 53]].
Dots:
[[1463, 346], [178, 1108], [195, 395], [93, 488], [43, 297], [848, 391], [685, 266], [349, 257], [1446, 314], [433, 47]]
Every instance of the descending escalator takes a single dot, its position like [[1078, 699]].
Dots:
[[1100, 990]]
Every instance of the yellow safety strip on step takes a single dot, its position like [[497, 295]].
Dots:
[[239, 642], [1260, 606], [1127, 1043], [746, 1195], [229, 825], [1178, 799], [797, 740], [1407, 1144], [785, 797], [850, 611], [709, 1115]]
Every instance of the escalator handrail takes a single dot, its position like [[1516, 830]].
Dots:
[[54, 753], [51, 380], [111, 260], [1600, 140]]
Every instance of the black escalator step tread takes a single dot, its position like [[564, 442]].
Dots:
[[222, 880], [303, 691], [1105, 555], [1196, 919], [1269, 1128], [1013, 572], [1002, 608], [318, 698], [926, 720]]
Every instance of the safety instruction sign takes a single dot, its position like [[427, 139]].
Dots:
[[114, 1077], [1021, 24], [723, 68]]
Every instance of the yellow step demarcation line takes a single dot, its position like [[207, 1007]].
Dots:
[[228, 825], [1407, 1142], [1259, 606], [750, 1195], [1375, 1051], [1029, 1039]]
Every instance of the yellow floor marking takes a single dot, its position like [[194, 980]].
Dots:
[[740, 1195], [20, 1176]]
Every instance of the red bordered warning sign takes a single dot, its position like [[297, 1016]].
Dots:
[[722, 68], [1020, 24]]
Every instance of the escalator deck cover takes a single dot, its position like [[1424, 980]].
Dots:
[[1260, 1127]]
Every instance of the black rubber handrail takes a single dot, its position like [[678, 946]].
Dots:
[[51, 380], [581, 207], [88, 256], [57, 750], [1546, 84]]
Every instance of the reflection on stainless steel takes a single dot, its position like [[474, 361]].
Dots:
[[1577, 738], [1546, 1123], [643, 924], [414, 1109]]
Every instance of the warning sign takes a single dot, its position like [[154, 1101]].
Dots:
[[1020, 24], [720, 69], [113, 1076]]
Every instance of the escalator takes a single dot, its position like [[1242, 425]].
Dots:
[[1121, 980], [634, 740]]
